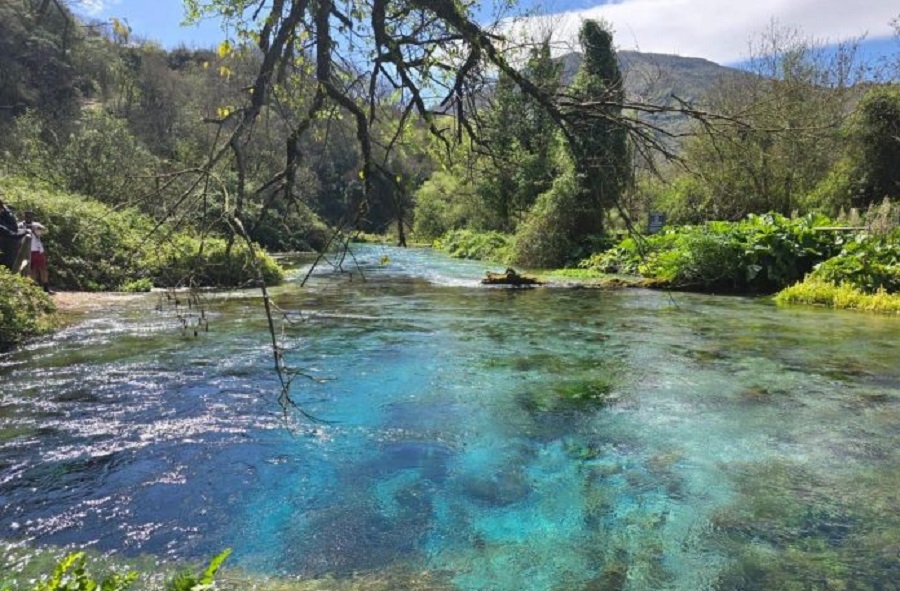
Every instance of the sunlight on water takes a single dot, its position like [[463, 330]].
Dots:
[[491, 439]]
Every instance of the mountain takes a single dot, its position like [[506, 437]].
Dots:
[[656, 78]]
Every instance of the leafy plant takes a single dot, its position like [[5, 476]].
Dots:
[[469, 244], [25, 310], [759, 253], [92, 247], [188, 581], [71, 575], [867, 262]]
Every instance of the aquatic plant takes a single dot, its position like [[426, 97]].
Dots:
[[789, 528], [589, 393], [820, 292]]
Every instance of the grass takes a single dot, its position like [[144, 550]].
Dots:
[[818, 292]]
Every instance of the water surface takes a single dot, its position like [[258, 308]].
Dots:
[[495, 439]]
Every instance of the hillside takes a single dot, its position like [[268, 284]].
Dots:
[[656, 78]]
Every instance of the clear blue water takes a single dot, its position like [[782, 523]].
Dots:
[[494, 439]]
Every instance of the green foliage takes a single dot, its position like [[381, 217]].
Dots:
[[445, 202], [590, 171], [820, 292], [791, 108], [103, 159], [136, 286], [600, 147], [92, 247], [869, 263], [36, 61], [71, 574], [875, 137], [469, 244], [521, 136], [25, 310], [761, 253], [547, 237], [188, 581]]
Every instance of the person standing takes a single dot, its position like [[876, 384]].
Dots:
[[13, 245], [9, 226], [38, 255]]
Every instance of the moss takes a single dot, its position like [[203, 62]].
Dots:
[[570, 395], [25, 310], [790, 529]]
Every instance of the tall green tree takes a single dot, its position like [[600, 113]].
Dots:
[[591, 156], [875, 137], [600, 146], [519, 165], [36, 71]]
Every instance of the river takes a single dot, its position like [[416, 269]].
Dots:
[[484, 438]]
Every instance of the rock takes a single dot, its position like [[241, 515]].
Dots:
[[510, 277]]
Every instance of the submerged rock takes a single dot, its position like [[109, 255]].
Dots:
[[500, 488]]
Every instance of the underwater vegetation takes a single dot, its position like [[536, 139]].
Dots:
[[790, 529]]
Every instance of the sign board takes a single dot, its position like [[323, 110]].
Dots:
[[656, 221]]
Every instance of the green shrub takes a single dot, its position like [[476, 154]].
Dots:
[[25, 310], [469, 244], [445, 202], [92, 247], [868, 263], [545, 239], [761, 253]]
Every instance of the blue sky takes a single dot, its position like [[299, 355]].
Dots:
[[719, 30]]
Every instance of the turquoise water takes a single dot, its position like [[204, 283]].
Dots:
[[482, 438]]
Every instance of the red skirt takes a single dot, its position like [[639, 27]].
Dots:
[[38, 260]]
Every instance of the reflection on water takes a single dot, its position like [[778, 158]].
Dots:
[[479, 438]]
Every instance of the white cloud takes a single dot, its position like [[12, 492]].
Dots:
[[94, 7], [720, 30]]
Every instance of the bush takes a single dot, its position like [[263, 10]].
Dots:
[[92, 247], [545, 239], [25, 310], [469, 244], [868, 263], [445, 202], [761, 253]]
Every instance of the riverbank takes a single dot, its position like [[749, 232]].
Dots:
[[81, 302]]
